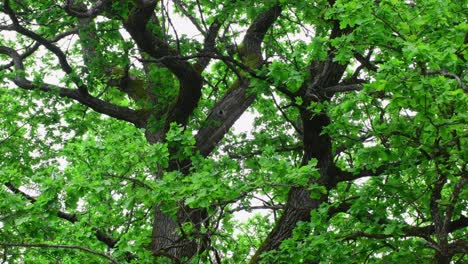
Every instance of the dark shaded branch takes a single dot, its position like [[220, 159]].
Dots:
[[190, 80], [361, 234], [452, 226], [317, 145], [292, 123], [209, 45], [365, 61], [435, 208], [340, 207], [257, 30], [343, 88], [96, 104], [459, 246], [256, 207], [235, 153], [221, 117], [209, 55], [453, 200], [341, 175], [51, 47], [36, 45], [15, 190], [286, 92]]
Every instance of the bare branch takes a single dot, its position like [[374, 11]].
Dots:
[[256, 207], [365, 61], [209, 55], [292, 123]]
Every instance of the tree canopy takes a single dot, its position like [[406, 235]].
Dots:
[[117, 142]]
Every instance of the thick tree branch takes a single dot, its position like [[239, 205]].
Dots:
[[317, 145], [365, 61], [96, 104], [226, 111], [343, 88], [221, 118], [190, 80], [209, 45]]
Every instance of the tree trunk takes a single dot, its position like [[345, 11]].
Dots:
[[442, 259], [316, 145], [166, 240], [299, 204]]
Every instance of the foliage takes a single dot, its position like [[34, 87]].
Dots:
[[117, 138]]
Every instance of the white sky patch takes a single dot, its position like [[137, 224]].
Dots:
[[245, 123]]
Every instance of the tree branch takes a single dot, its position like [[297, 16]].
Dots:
[[413, 231], [51, 47], [453, 200], [343, 88], [181, 6], [190, 80], [449, 75], [96, 104], [365, 61], [42, 245], [209, 45], [226, 111], [100, 235], [341, 175], [34, 48]]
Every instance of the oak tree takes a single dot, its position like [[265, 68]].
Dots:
[[117, 142]]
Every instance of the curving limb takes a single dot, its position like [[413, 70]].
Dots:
[[101, 106]]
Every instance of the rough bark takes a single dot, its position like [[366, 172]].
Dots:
[[316, 146], [166, 240], [190, 81]]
